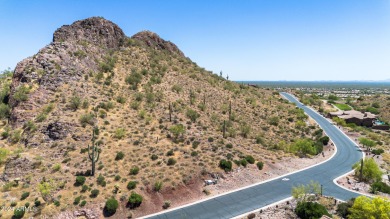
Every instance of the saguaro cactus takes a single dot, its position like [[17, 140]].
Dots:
[[93, 152], [230, 111], [224, 129], [170, 112]]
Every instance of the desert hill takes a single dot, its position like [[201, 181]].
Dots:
[[160, 120]]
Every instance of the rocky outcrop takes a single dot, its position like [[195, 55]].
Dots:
[[57, 130], [82, 213], [76, 50], [18, 167], [155, 41], [95, 30]]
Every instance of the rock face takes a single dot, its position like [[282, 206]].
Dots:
[[156, 42], [57, 130], [95, 30], [76, 50], [18, 167]]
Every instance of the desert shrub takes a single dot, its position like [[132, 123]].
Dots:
[[260, 165], [3, 155], [177, 88], [101, 180], [259, 140], [37, 203], [149, 97], [380, 187], [133, 79], [21, 93], [24, 195], [41, 117], [171, 161], [135, 200], [245, 129], [111, 206], [177, 130], [195, 144], [119, 155], [85, 104], [117, 178], [306, 146], [158, 186], [5, 133], [86, 119], [83, 203], [80, 180], [324, 140], [194, 153], [251, 216], [250, 159], [19, 212], [119, 133], [57, 167], [308, 210], [121, 99], [244, 162], [229, 145], [371, 171], [378, 151], [5, 111], [134, 170], [343, 208], [192, 115], [108, 63], [273, 120], [57, 203], [154, 157], [16, 136], [131, 185], [94, 193], [77, 200], [170, 153], [210, 139], [84, 188], [75, 102], [225, 165], [30, 126], [166, 205]]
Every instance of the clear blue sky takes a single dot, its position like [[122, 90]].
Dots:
[[246, 39]]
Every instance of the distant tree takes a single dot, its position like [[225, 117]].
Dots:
[[371, 171], [309, 210], [343, 208], [111, 206], [324, 140], [225, 165], [192, 115], [177, 130], [332, 97], [367, 142], [303, 192], [365, 207]]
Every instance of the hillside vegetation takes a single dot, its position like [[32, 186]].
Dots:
[[161, 122]]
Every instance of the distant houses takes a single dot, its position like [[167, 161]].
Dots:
[[362, 119], [352, 116]]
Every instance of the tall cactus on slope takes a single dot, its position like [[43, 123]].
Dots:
[[93, 151]]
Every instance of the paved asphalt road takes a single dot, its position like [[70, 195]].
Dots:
[[249, 199]]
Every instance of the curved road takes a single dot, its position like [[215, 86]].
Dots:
[[257, 196]]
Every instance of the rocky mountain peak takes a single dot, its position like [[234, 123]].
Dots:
[[155, 41], [95, 30]]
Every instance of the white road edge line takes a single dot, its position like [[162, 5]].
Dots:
[[235, 190]]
